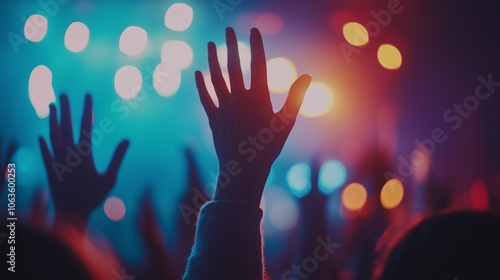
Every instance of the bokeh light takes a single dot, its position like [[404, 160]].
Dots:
[[179, 17], [128, 81], [40, 90], [133, 40], [76, 37], [355, 34], [389, 57], [421, 161], [166, 79], [269, 24], [354, 196], [35, 28], [318, 100], [391, 194], [479, 196], [210, 87], [298, 179], [281, 73], [177, 54], [114, 208], [27, 166], [284, 213], [331, 176], [245, 56]]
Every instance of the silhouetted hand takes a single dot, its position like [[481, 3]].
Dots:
[[154, 241], [313, 204], [38, 213], [76, 186], [248, 135], [4, 165]]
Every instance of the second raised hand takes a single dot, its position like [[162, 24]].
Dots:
[[248, 135]]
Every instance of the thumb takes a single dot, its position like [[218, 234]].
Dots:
[[116, 161], [296, 95]]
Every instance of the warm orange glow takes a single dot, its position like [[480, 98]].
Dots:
[[281, 73], [318, 100], [355, 34], [354, 196], [391, 194], [389, 57]]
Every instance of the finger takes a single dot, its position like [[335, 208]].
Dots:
[[66, 127], [86, 127], [258, 64], [315, 167], [194, 178], [296, 96], [116, 161], [55, 132], [216, 74], [206, 100], [233, 62], [46, 156]]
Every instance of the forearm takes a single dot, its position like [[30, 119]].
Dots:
[[228, 242]]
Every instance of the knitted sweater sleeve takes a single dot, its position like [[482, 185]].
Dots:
[[228, 243]]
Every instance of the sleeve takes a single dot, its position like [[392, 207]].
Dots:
[[228, 243]]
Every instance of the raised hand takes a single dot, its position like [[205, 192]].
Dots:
[[154, 241], [248, 135], [76, 186]]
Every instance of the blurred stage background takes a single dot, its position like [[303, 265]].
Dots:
[[383, 88]]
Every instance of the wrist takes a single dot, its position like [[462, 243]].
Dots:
[[243, 183]]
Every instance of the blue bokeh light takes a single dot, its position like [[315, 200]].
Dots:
[[332, 175], [298, 179]]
